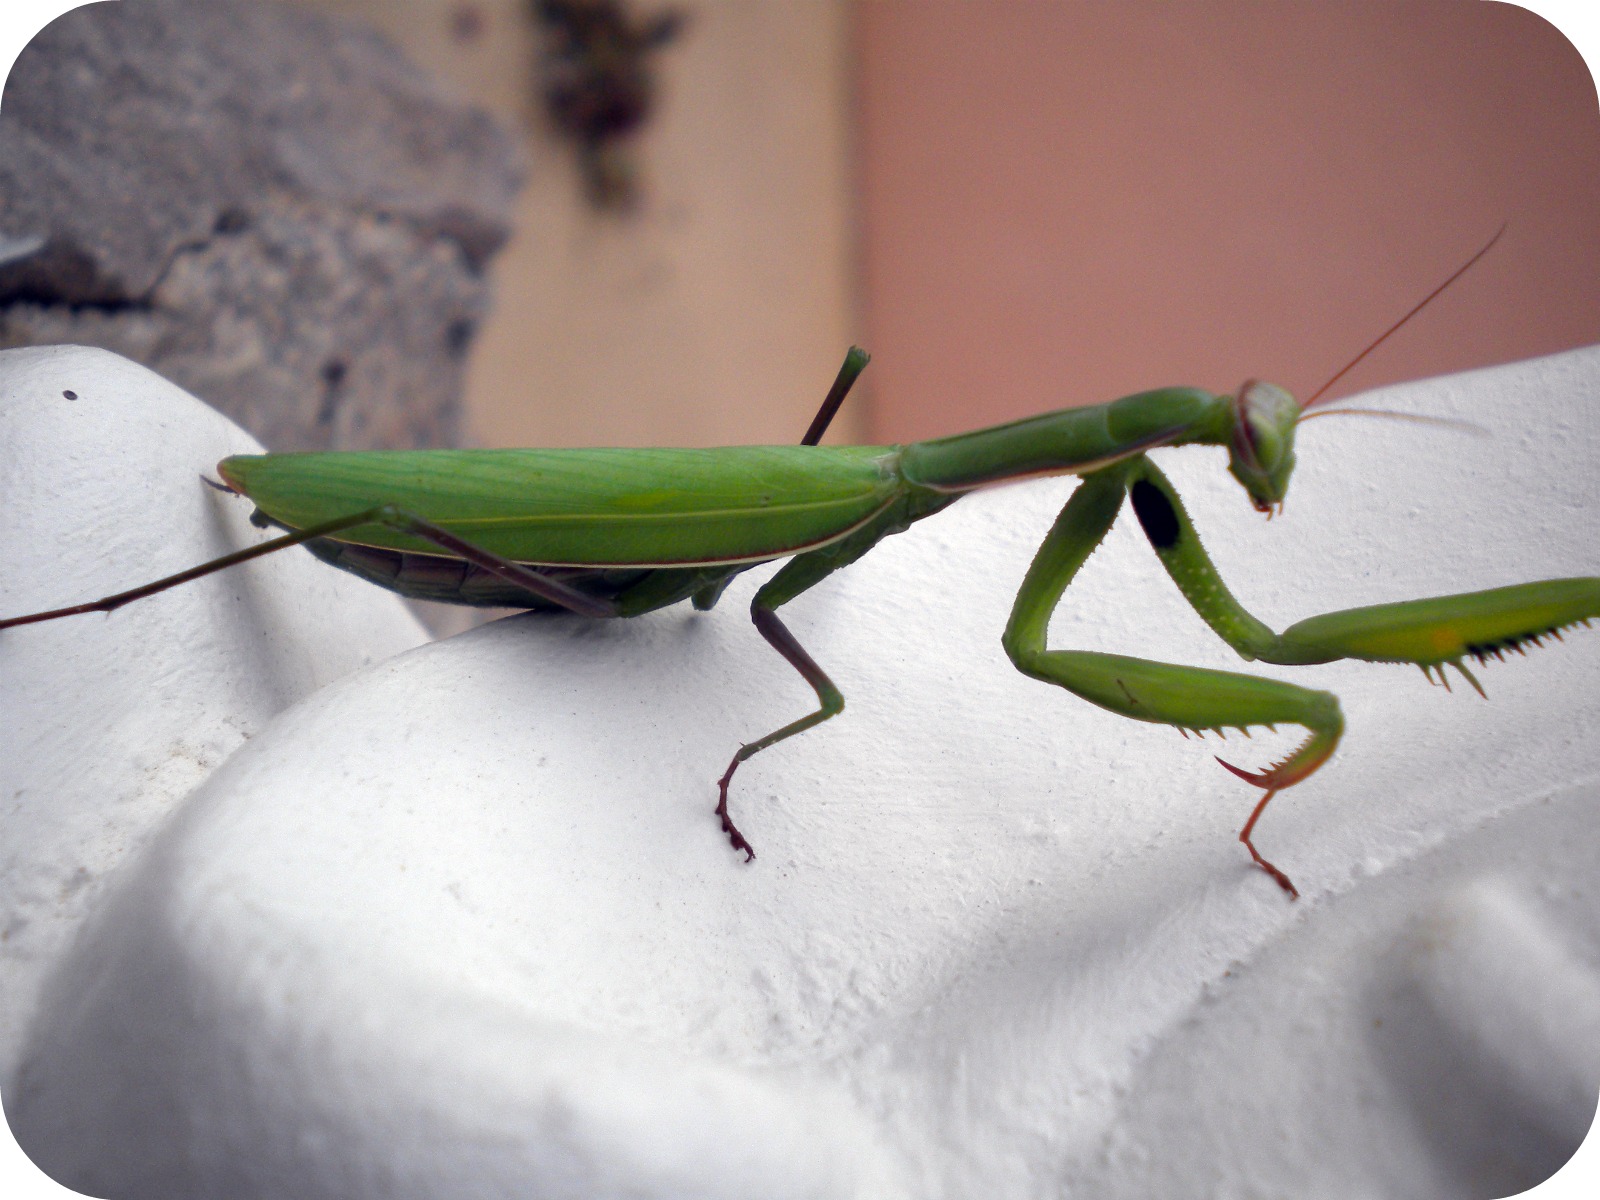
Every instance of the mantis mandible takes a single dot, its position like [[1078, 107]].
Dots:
[[620, 532]]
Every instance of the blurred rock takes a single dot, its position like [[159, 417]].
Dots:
[[272, 209]]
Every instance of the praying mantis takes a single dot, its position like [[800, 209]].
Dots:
[[611, 533]]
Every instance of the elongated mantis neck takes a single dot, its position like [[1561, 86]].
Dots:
[[1075, 440]]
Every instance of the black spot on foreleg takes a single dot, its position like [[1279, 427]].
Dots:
[[1155, 513]]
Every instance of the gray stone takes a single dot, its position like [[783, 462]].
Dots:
[[273, 209]]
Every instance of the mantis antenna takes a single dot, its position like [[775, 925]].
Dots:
[[1414, 418], [1420, 305]]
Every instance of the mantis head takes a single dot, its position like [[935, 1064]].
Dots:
[[1261, 448], [1261, 445]]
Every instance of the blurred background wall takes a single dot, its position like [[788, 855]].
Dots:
[[717, 310], [1019, 206], [1064, 202]]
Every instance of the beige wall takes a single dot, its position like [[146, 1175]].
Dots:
[[721, 310], [1068, 201]]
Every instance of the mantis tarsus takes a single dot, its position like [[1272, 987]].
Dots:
[[620, 532]]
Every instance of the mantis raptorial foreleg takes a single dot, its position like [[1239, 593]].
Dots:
[[1431, 633], [1427, 633], [1184, 697]]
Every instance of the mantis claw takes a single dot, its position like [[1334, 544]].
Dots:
[[1291, 770], [1260, 779], [1297, 766]]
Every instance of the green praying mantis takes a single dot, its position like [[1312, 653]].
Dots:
[[620, 532]]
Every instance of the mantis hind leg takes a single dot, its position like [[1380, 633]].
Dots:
[[1186, 698], [386, 515]]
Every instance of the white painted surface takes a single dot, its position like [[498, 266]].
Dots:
[[463, 920], [112, 719]]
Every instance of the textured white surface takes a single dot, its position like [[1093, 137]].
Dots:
[[462, 923], [110, 720]]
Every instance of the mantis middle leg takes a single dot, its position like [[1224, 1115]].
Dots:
[[796, 576]]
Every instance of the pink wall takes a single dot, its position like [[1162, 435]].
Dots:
[[1065, 202]]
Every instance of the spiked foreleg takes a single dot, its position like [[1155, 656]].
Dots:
[[1446, 630], [1187, 698], [1432, 634]]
